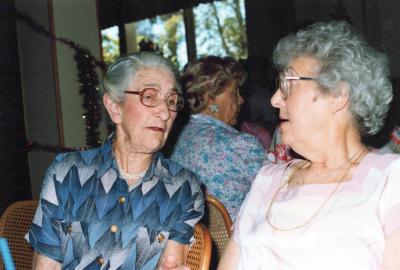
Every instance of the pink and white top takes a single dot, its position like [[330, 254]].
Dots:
[[347, 234]]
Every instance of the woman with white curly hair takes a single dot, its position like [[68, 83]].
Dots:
[[339, 207]]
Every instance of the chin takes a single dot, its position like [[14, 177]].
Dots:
[[232, 122], [287, 140], [154, 147]]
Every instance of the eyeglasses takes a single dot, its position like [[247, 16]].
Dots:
[[283, 83], [151, 97]]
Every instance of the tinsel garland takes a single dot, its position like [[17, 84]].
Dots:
[[88, 84]]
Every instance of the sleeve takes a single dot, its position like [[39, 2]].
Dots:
[[389, 207], [44, 233], [191, 202]]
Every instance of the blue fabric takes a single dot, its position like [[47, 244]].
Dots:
[[79, 208], [224, 159]]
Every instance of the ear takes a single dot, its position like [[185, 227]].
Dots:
[[340, 101], [207, 100], [113, 109]]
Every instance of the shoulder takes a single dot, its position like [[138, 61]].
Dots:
[[382, 162], [78, 159], [270, 171], [178, 173], [86, 156], [248, 139]]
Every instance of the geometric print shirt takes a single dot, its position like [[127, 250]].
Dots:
[[224, 159], [89, 218]]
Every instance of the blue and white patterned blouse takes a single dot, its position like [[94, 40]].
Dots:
[[225, 159], [89, 218]]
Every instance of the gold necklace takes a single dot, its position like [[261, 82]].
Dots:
[[350, 162]]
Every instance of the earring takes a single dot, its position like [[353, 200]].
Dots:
[[213, 108]]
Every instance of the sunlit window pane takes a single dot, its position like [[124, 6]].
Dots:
[[110, 44], [221, 29], [165, 34]]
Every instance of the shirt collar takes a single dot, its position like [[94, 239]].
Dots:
[[212, 120], [159, 166]]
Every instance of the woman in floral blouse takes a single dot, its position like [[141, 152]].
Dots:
[[225, 159]]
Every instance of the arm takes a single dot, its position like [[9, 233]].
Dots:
[[230, 258], [391, 256], [43, 262], [173, 256]]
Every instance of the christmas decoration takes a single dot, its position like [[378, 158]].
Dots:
[[88, 84]]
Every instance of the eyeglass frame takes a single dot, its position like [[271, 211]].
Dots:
[[281, 85], [140, 93]]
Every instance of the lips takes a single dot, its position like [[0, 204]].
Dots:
[[157, 129]]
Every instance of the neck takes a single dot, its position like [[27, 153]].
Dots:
[[130, 161], [333, 147], [334, 160]]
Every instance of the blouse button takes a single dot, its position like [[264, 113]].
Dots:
[[114, 228], [121, 200], [69, 229], [100, 261], [160, 238]]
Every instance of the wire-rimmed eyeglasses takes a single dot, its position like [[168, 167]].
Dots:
[[283, 83], [151, 97]]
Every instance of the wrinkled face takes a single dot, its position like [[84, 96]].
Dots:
[[304, 113], [229, 102], [146, 128]]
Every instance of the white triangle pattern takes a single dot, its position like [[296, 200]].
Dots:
[[38, 217], [171, 189], [85, 172], [148, 185], [108, 179], [49, 190]]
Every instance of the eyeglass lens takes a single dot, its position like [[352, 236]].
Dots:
[[152, 97]]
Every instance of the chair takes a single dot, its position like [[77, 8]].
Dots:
[[14, 224], [17, 218], [199, 255], [219, 223]]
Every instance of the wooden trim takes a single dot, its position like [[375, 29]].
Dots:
[[224, 212], [206, 260], [53, 48], [190, 34], [101, 58]]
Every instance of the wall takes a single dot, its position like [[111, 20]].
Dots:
[[39, 88], [53, 106], [77, 21], [14, 177]]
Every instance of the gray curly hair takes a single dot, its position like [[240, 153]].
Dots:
[[121, 73], [345, 57]]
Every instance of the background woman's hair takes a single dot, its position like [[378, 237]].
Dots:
[[209, 76], [121, 73], [345, 57]]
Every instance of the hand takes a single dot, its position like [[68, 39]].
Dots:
[[171, 263]]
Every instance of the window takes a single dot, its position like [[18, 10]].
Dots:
[[110, 44], [220, 29]]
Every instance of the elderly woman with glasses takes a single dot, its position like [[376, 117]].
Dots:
[[339, 206], [122, 205], [225, 159]]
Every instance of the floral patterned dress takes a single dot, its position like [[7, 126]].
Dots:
[[224, 159]]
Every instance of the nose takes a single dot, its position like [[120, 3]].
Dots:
[[277, 99], [162, 111], [240, 99]]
